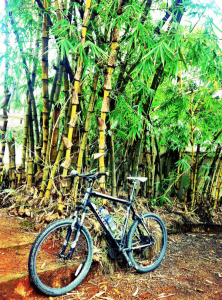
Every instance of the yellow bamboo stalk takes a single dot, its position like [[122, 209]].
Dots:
[[77, 78], [107, 88], [45, 94], [85, 135]]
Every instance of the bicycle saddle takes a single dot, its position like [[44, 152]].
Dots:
[[141, 179]]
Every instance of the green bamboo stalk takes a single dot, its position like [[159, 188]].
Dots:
[[5, 103], [56, 113], [27, 146], [151, 168], [196, 169], [46, 163], [9, 143], [30, 173], [55, 79], [218, 188], [192, 156], [214, 181], [31, 135], [28, 108], [13, 165], [55, 136], [59, 156], [29, 81], [178, 183], [208, 182], [25, 139]]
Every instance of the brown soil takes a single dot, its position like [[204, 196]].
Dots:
[[191, 269]]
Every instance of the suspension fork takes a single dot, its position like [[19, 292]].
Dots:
[[75, 224]]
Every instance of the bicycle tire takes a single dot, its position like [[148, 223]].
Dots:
[[51, 274], [147, 259]]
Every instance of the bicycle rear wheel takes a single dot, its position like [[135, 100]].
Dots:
[[147, 250], [55, 275]]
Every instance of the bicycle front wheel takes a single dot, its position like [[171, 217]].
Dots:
[[147, 250], [52, 273]]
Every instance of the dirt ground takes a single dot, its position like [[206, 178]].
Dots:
[[191, 269]]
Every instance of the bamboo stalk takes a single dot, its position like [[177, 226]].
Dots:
[[112, 162], [29, 81], [45, 94], [218, 188], [208, 182], [25, 140], [213, 141], [179, 177], [56, 113], [192, 156], [5, 103], [27, 147], [216, 178], [77, 78], [9, 143], [85, 135], [55, 79], [46, 168], [13, 165], [196, 169], [58, 158], [30, 173], [151, 168], [28, 108], [107, 88], [55, 136]]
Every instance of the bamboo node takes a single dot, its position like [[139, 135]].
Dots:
[[107, 84], [98, 155], [74, 120], [75, 98], [112, 58], [101, 124], [78, 73], [105, 105], [66, 142], [85, 17], [66, 164]]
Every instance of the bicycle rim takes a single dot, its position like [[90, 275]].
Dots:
[[147, 249], [52, 270]]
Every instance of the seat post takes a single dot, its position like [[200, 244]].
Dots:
[[132, 192]]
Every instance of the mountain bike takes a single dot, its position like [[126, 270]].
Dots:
[[62, 253]]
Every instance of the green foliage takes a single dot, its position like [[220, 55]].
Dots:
[[158, 66]]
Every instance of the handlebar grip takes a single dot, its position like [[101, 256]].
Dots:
[[104, 174]]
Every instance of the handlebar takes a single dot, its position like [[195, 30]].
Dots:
[[88, 176]]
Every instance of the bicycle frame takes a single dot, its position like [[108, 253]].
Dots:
[[87, 203]]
